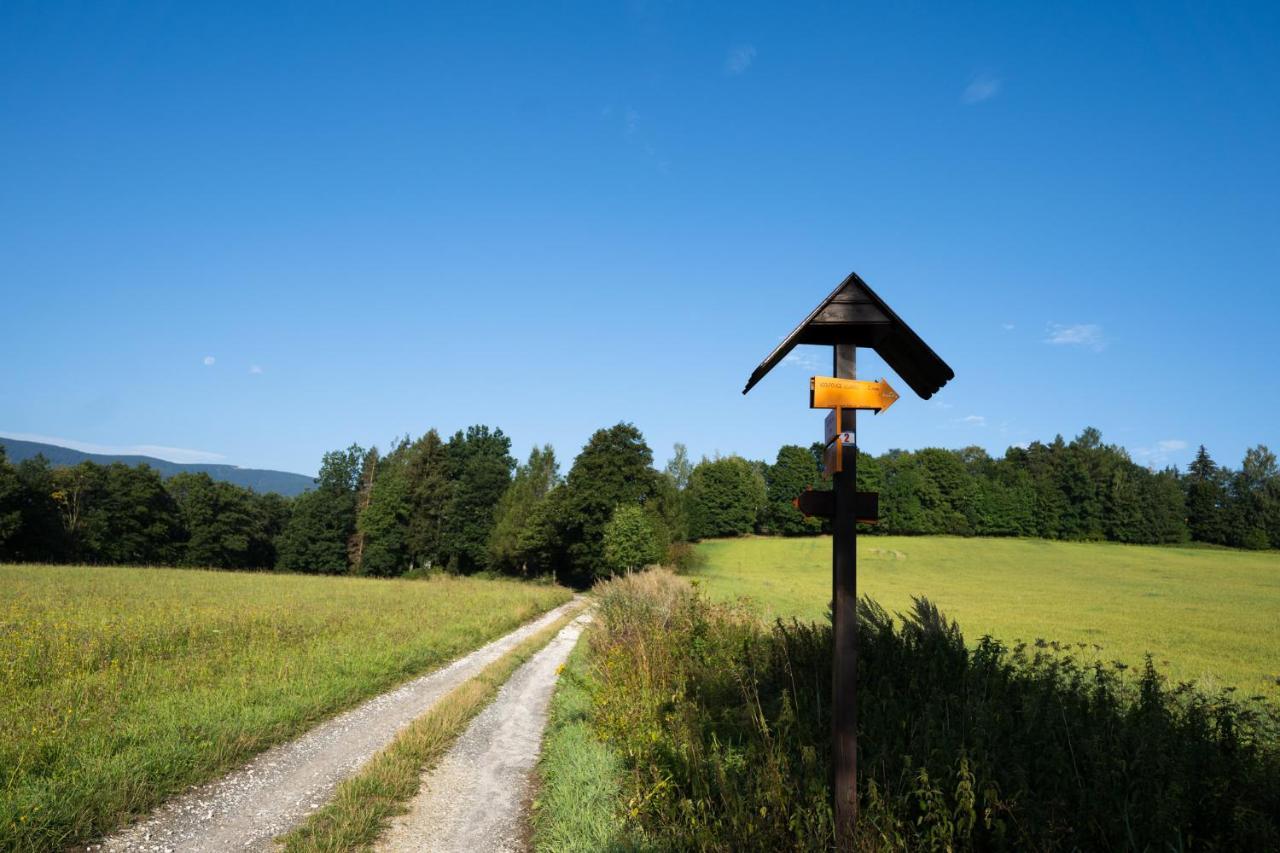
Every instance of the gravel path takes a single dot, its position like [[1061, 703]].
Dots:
[[476, 796], [276, 790]]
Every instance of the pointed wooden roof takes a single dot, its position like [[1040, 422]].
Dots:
[[854, 314]]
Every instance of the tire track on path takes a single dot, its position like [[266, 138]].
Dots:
[[475, 798], [275, 791]]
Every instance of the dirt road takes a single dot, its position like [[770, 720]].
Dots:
[[476, 796], [277, 790]]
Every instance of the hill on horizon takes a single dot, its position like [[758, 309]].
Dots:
[[261, 480]]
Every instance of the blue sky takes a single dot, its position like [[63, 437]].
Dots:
[[256, 232]]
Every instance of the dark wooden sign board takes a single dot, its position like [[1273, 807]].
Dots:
[[822, 504], [853, 316]]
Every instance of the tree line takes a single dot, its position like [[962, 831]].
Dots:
[[461, 504], [121, 514], [1084, 490], [464, 504]]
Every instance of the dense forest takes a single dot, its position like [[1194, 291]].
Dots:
[[464, 504], [1078, 490]]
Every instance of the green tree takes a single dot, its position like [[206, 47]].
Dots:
[[383, 525], [1254, 499], [144, 525], [364, 494], [791, 473], [533, 481], [41, 537], [117, 514], [542, 543], [429, 486], [1085, 490], [679, 467], [272, 512], [1006, 502], [480, 463], [1051, 505], [870, 473], [10, 504], [1081, 507], [1124, 512], [224, 526], [725, 497], [901, 511], [668, 512], [1165, 508], [630, 541], [315, 539], [1206, 499], [323, 519], [615, 468], [947, 492]]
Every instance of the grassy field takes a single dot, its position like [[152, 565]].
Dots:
[[1211, 615], [119, 687]]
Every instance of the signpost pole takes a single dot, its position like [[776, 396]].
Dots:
[[853, 315], [844, 589]]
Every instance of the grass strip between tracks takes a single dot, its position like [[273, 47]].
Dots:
[[363, 805], [579, 807]]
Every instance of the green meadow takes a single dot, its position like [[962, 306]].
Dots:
[[1212, 615], [119, 687]]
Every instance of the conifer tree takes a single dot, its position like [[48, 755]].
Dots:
[[480, 466], [1206, 498], [429, 487]]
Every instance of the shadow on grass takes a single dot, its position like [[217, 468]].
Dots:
[[722, 727]]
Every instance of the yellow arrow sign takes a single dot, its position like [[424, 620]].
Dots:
[[826, 392]]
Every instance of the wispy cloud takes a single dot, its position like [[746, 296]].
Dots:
[[1081, 334], [637, 132], [209, 360], [981, 88], [1160, 454], [942, 405], [1008, 327], [255, 369], [803, 360], [974, 420], [740, 58], [172, 454]]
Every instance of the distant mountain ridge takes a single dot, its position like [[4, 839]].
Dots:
[[261, 480]]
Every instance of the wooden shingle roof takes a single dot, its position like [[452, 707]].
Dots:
[[854, 314]]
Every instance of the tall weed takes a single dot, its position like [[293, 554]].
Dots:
[[723, 724]]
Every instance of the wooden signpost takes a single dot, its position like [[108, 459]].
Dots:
[[852, 316]]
